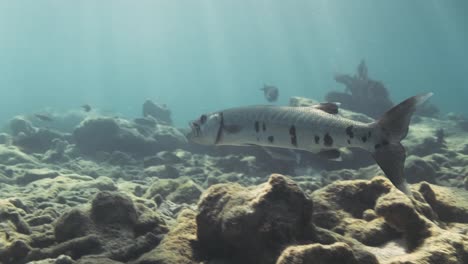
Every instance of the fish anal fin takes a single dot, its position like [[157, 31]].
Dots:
[[331, 108]]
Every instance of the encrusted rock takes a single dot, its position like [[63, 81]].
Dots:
[[162, 171], [158, 111], [21, 125], [253, 224], [113, 208], [178, 246], [36, 174], [5, 139], [14, 253], [318, 254], [73, 224], [400, 214], [109, 134], [181, 190], [418, 169]]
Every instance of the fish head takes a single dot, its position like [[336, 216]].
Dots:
[[204, 130]]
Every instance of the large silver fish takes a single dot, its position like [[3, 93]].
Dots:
[[316, 129]]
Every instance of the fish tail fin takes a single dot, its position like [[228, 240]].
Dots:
[[393, 127]]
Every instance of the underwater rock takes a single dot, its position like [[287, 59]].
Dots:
[[141, 245], [96, 259], [113, 208], [39, 141], [129, 229], [414, 231], [344, 203], [318, 254], [149, 221], [450, 204], [428, 146], [15, 252], [102, 183], [178, 246], [253, 224], [121, 159], [111, 134], [187, 192], [20, 125], [181, 190], [13, 217], [428, 110], [399, 212], [73, 224], [34, 175], [163, 157], [10, 155], [418, 169], [57, 151], [234, 163], [162, 171], [62, 259], [158, 111], [362, 94], [463, 124], [75, 248], [5, 139], [168, 137]]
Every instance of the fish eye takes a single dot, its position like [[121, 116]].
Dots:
[[203, 119]]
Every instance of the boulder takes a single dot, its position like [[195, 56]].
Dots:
[[160, 112], [253, 224]]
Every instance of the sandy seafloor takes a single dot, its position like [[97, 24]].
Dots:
[[89, 188]]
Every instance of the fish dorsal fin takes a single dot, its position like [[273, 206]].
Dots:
[[331, 154], [331, 108]]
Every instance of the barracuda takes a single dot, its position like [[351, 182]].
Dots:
[[316, 129]]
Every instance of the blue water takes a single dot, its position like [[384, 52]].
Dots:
[[201, 55]]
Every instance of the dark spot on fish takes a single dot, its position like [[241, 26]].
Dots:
[[349, 131], [327, 140], [377, 146], [385, 142], [263, 126], [292, 133], [317, 139], [271, 139], [364, 139], [258, 138], [257, 126], [369, 134], [349, 141]]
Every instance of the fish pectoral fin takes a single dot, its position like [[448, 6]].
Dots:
[[282, 154], [331, 108], [331, 154]]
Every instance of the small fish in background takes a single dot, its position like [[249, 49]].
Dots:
[[44, 118], [86, 107], [270, 92]]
